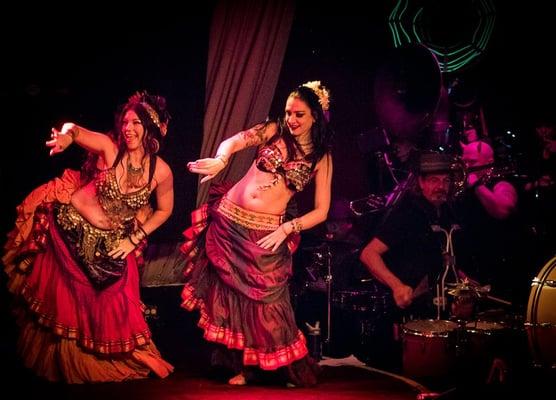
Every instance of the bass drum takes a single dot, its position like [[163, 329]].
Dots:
[[541, 316]]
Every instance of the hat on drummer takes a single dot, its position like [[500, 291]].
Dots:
[[435, 163]]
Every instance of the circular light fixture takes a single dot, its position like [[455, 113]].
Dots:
[[456, 32]]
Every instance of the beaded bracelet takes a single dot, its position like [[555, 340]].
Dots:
[[145, 234], [73, 133], [130, 237], [296, 225]]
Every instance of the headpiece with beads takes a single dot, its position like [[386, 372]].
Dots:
[[140, 98]]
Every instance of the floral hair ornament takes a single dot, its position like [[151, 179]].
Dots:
[[321, 91], [140, 98]]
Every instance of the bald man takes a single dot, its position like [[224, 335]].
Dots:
[[495, 238], [498, 197]]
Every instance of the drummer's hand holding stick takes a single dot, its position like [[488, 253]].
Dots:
[[403, 295]]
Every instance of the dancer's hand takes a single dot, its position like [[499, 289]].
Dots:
[[206, 166], [59, 140], [274, 240], [123, 249]]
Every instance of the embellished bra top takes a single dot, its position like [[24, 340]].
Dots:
[[296, 173], [120, 207]]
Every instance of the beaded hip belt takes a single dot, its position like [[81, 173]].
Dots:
[[247, 218]]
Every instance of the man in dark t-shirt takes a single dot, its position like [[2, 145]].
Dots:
[[406, 253]]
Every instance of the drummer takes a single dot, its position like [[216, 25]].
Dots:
[[405, 255]]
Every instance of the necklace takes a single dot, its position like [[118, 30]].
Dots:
[[134, 174], [306, 148]]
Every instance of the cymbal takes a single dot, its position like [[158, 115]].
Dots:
[[466, 289]]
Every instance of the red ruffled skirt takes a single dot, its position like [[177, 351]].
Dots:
[[241, 289], [72, 331]]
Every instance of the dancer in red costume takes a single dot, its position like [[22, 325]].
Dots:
[[238, 254], [78, 306]]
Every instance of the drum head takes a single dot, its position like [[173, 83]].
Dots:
[[541, 308], [429, 327], [541, 316], [483, 326]]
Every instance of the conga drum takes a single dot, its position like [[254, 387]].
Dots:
[[541, 316], [429, 348], [481, 343]]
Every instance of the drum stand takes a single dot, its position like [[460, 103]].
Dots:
[[449, 265], [328, 281], [324, 256]]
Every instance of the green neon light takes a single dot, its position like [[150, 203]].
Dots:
[[451, 58]]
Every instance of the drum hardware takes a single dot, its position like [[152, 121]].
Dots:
[[320, 284], [367, 205], [350, 314], [449, 266], [465, 289], [323, 256], [314, 345], [328, 281], [541, 316], [548, 282], [360, 323], [312, 269]]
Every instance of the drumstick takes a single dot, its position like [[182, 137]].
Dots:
[[497, 299], [421, 288]]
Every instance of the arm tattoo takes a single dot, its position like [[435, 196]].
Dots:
[[254, 135]]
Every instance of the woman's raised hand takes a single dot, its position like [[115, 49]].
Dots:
[[206, 166], [60, 139]]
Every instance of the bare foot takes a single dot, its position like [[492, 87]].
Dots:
[[238, 380]]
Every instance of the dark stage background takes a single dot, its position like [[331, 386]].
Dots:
[[63, 66]]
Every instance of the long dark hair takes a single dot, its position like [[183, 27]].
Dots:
[[144, 104], [321, 132], [154, 131]]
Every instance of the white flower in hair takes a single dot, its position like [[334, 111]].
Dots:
[[321, 91]]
